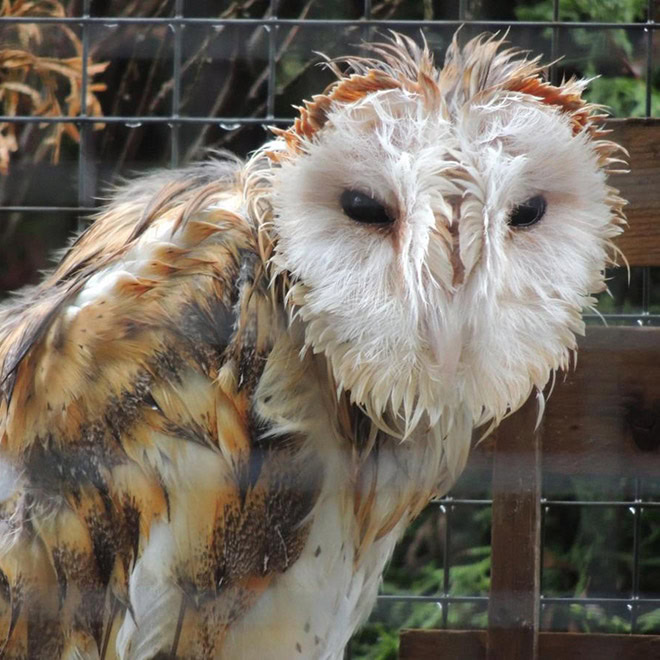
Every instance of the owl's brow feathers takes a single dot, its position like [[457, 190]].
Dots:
[[470, 73]]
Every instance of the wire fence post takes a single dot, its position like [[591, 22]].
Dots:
[[175, 127], [86, 166]]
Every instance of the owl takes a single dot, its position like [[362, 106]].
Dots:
[[238, 387]]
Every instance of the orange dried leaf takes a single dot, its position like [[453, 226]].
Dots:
[[8, 145], [71, 131], [22, 88], [14, 58], [40, 83]]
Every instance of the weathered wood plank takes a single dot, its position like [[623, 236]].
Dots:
[[513, 607], [442, 645], [471, 645], [592, 425], [578, 646], [598, 413], [641, 187]]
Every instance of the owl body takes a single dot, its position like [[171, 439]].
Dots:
[[221, 410]]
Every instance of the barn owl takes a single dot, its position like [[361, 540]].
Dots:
[[222, 408]]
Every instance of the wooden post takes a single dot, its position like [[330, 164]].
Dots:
[[513, 609]]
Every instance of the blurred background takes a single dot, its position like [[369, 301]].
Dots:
[[93, 91]]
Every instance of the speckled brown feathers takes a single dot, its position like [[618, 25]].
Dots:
[[102, 397]]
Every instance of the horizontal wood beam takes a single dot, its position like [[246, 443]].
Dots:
[[603, 418], [471, 645], [640, 243]]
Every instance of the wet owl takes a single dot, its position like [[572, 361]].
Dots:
[[222, 408]]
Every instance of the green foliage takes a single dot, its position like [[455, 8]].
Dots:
[[626, 97], [617, 57], [649, 622], [626, 292], [611, 11]]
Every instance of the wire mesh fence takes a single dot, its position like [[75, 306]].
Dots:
[[155, 83]]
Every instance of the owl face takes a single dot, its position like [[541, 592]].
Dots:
[[443, 242]]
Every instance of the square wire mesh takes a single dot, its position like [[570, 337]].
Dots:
[[258, 54]]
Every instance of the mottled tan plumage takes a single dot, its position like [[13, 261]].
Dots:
[[83, 398], [191, 464]]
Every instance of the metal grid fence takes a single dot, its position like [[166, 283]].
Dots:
[[634, 498]]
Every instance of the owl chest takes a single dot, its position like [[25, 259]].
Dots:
[[312, 609]]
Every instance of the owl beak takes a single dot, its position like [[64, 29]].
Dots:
[[457, 265]]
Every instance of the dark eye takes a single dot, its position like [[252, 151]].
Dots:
[[529, 213], [362, 208]]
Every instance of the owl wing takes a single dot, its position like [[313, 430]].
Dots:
[[142, 510]]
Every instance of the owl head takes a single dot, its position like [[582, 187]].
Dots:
[[440, 229]]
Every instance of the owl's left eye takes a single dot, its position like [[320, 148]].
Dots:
[[362, 208], [529, 213]]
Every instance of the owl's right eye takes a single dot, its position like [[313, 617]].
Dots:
[[529, 213], [362, 208]]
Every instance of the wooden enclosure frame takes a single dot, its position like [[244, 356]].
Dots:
[[603, 418]]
